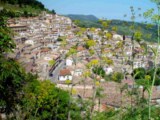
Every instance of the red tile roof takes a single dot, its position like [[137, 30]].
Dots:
[[65, 72], [80, 48], [45, 49]]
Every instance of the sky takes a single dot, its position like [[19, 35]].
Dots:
[[109, 9]]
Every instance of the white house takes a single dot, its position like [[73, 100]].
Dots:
[[47, 58], [78, 72], [138, 64], [108, 70], [117, 37], [53, 47], [69, 62], [129, 53], [30, 42], [64, 75]]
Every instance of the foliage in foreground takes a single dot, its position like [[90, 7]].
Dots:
[[24, 97]]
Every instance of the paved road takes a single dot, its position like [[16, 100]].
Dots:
[[55, 72]]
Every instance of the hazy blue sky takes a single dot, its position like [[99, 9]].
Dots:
[[110, 9]]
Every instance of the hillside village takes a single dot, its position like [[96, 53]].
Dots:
[[39, 43]]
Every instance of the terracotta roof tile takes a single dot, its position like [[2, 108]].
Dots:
[[80, 48], [65, 72], [45, 49]]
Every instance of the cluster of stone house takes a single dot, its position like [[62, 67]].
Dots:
[[36, 41], [37, 45]]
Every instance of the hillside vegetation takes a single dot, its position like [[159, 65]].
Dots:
[[24, 97], [83, 17], [25, 8], [148, 30], [33, 3]]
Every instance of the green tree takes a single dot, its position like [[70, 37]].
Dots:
[[42, 100], [99, 71], [139, 73], [114, 28], [11, 74], [12, 78], [53, 11], [73, 52], [155, 18], [138, 36], [90, 43], [52, 62], [117, 77], [108, 35], [110, 114], [6, 43], [105, 23]]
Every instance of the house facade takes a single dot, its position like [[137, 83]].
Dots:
[[64, 75]]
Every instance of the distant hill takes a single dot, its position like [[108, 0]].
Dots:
[[85, 20], [146, 29], [83, 17], [123, 26]]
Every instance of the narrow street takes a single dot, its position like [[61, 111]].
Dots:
[[55, 72]]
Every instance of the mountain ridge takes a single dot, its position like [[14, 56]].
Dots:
[[123, 27], [82, 17]]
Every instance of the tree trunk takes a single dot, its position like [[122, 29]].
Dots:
[[99, 104], [0, 117], [84, 90], [93, 100]]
